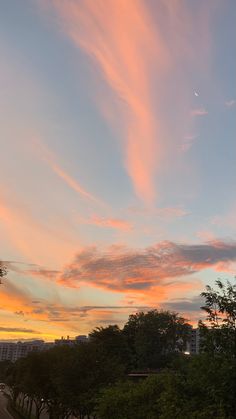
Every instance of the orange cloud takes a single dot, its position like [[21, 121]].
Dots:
[[140, 48], [18, 309], [122, 39], [53, 318], [151, 276], [12, 297], [226, 266], [162, 266], [115, 223]]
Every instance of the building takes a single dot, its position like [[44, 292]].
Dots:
[[71, 342], [193, 345], [64, 341], [81, 339], [10, 351], [7, 351]]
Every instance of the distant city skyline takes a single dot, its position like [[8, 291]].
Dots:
[[118, 149]]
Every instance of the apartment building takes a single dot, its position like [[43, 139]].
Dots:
[[10, 351]]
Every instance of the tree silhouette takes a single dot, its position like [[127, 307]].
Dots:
[[3, 271], [220, 306]]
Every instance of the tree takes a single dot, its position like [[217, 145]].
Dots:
[[211, 383], [196, 393], [112, 342], [3, 270], [131, 400], [155, 336], [82, 374], [220, 306]]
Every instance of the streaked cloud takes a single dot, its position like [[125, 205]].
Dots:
[[48, 313], [43, 273], [32, 270], [14, 299], [18, 330], [189, 308], [124, 46], [122, 269], [185, 305], [114, 223], [138, 49], [49, 157], [199, 112]]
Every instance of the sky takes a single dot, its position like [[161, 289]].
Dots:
[[117, 173]]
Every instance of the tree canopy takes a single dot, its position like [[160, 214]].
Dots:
[[154, 336], [219, 330], [3, 270], [94, 380]]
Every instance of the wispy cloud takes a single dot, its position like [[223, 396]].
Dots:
[[114, 223], [123, 46], [184, 305], [134, 46], [43, 273], [31, 269], [230, 103], [65, 316], [18, 330], [49, 157], [15, 299], [199, 112], [187, 307]]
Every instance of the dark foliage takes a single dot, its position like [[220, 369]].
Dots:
[[90, 380]]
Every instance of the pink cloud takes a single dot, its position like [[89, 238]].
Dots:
[[206, 235], [123, 47], [155, 269], [226, 266], [137, 53], [115, 223], [199, 112]]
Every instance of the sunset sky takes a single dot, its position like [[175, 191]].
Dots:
[[118, 150]]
